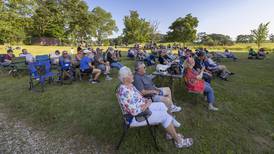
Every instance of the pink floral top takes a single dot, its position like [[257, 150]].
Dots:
[[130, 100]]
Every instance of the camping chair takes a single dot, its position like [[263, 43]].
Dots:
[[194, 93], [126, 122], [39, 73], [18, 65], [42, 58], [66, 72]]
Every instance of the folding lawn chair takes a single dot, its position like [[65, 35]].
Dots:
[[39, 74], [18, 65], [126, 122]]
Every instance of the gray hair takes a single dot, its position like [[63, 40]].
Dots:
[[124, 72], [138, 64]]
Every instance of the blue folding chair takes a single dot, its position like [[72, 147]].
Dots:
[[66, 72], [39, 73], [42, 58]]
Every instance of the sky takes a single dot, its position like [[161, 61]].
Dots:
[[229, 17]]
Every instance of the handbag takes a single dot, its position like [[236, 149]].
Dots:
[[143, 115]]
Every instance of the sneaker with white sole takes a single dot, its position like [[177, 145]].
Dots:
[[175, 123], [94, 81], [212, 108], [108, 78], [175, 108], [184, 143]]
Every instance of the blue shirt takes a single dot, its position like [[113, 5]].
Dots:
[[84, 63]]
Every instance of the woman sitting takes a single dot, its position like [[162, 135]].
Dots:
[[133, 103], [196, 84]]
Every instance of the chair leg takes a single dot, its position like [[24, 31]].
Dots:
[[30, 85], [126, 127], [152, 134]]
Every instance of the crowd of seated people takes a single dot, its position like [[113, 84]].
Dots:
[[261, 54], [137, 92], [88, 61], [141, 55], [226, 54]]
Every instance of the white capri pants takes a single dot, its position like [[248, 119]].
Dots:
[[159, 115]]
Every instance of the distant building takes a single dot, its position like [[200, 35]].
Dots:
[[45, 41]]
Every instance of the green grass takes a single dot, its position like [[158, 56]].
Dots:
[[244, 124]]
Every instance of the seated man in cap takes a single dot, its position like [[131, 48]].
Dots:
[[144, 84], [87, 67]]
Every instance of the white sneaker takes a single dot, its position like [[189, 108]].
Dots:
[[184, 143], [212, 108], [175, 123], [175, 108], [108, 78]]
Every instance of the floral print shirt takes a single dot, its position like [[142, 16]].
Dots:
[[130, 100]]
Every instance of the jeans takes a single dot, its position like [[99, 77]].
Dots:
[[209, 93], [116, 65]]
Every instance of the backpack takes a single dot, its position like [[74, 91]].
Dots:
[[175, 69]]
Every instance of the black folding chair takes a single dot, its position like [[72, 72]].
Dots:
[[126, 122]]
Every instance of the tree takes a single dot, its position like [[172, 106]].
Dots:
[[244, 39], [271, 37], [155, 35], [137, 30], [48, 20], [14, 20], [79, 22], [213, 39], [104, 24], [260, 34], [183, 29], [220, 39]]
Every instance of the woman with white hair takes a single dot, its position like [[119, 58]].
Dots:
[[132, 102]]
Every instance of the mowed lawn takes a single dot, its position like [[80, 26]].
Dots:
[[244, 124]]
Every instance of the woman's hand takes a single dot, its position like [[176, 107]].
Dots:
[[146, 105]]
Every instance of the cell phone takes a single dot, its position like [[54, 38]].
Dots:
[[161, 93]]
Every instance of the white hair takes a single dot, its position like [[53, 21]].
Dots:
[[124, 72]]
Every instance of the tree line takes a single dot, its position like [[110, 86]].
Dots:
[[71, 22], [67, 20]]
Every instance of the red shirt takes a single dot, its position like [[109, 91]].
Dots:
[[192, 83], [8, 57]]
